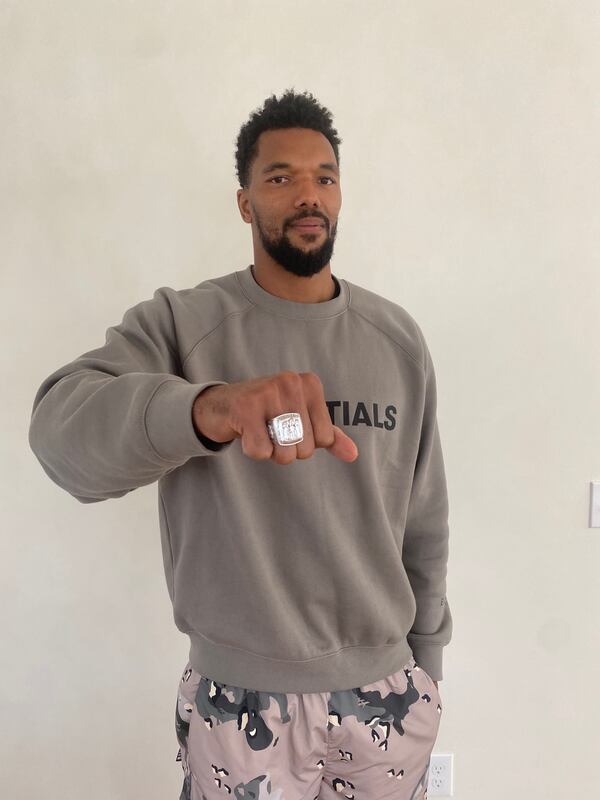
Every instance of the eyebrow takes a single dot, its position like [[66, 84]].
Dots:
[[284, 165]]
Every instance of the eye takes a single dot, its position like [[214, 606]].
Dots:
[[323, 177]]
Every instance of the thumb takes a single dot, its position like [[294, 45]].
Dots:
[[343, 446]]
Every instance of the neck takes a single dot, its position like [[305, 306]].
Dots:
[[275, 280]]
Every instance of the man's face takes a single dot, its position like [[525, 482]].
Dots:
[[278, 197]]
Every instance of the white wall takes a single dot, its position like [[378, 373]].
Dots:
[[470, 180]]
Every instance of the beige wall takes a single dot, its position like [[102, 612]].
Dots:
[[470, 178]]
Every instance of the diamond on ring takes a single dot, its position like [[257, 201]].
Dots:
[[286, 429]]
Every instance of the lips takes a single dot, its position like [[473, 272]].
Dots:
[[309, 223]]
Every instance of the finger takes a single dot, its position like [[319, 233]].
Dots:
[[255, 440], [291, 400], [322, 433]]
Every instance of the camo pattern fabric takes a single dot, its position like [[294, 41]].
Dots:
[[369, 743]]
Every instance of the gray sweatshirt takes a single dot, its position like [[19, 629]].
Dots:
[[315, 576]]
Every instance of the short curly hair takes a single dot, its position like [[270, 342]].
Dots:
[[291, 110]]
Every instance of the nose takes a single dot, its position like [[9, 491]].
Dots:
[[307, 195]]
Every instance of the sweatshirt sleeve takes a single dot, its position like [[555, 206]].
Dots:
[[120, 416], [425, 546]]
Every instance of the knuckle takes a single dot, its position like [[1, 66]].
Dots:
[[311, 377], [254, 444], [261, 444], [325, 436], [313, 382], [289, 379], [325, 441], [257, 453]]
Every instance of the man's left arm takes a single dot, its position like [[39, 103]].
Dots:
[[425, 545]]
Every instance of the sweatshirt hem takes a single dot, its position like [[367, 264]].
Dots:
[[348, 668]]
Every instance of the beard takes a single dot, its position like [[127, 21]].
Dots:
[[304, 262]]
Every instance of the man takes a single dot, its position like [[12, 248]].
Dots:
[[307, 563]]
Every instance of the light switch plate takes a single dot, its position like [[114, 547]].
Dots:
[[594, 504]]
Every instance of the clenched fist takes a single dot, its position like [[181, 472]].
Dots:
[[241, 410]]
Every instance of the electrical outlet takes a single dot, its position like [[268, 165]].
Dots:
[[440, 775]]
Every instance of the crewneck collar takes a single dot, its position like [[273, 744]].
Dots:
[[290, 308]]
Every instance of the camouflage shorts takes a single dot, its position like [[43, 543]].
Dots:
[[369, 743]]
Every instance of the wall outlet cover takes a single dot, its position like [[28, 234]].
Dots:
[[440, 775]]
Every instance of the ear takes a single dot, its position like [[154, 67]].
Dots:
[[244, 205]]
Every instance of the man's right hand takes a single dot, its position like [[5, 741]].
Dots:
[[241, 410]]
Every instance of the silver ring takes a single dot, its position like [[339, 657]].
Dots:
[[286, 429]]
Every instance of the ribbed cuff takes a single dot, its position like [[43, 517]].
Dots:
[[169, 423], [429, 657]]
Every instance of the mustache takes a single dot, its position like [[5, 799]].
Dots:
[[305, 216]]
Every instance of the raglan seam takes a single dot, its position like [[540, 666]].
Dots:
[[212, 330], [408, 353]]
